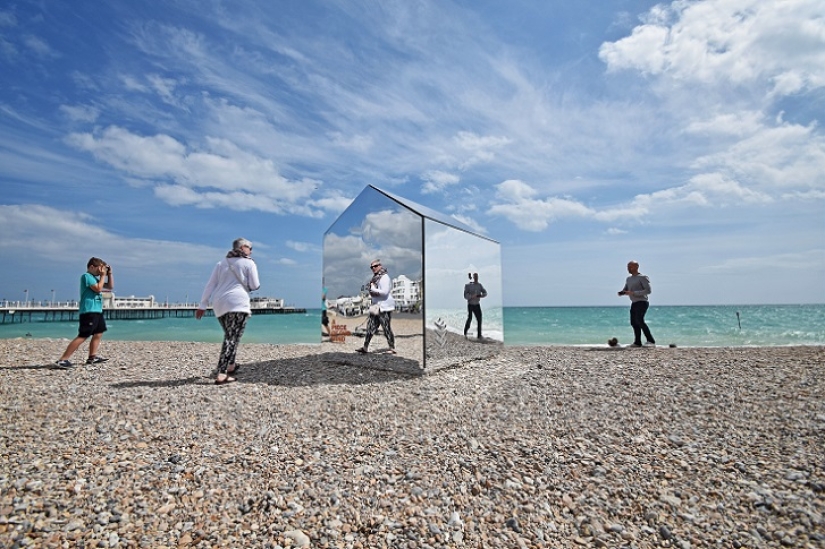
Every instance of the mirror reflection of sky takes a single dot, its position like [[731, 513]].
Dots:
[[429, 213], [450, 256], [374, 226], [423, 245]]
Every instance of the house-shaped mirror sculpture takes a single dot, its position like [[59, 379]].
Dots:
[[429, 257]]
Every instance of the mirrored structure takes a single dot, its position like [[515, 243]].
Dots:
[[430, 257]]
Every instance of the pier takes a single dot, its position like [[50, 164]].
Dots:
[[11, 313]]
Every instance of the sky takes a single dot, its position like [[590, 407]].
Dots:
[[687, 136]]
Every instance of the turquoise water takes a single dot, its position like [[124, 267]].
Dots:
[[290, 328], [685, 326]]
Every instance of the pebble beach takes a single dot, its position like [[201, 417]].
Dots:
[[316, 446]]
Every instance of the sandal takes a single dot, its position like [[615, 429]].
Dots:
[[224, 381]]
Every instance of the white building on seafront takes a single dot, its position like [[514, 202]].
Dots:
[[110, 301], [266, 302], [406, 293]]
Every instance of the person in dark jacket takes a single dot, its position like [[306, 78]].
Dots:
[[473, 292]]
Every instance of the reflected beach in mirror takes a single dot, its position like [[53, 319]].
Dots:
[[428, 257], [451, 256]]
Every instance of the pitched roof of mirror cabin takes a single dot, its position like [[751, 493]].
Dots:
[[429, 213]]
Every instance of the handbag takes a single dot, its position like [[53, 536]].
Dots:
[[375, 310]]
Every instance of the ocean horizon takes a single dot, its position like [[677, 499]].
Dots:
[[680, 325]]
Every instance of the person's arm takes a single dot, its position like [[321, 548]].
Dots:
[[252, 281], [483, 292], [110, 280], [97, 287], [646, 289], [467, 294], [100, 279], [207, 292]]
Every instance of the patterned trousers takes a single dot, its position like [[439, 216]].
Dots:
[[233, 325], [383, 319]]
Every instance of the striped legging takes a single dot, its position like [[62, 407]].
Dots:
[[384, 319], [233, 325]]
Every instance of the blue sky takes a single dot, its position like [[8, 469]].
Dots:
[[580, 135]]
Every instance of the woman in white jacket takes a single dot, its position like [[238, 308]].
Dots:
[[380, 287], [228, 290]]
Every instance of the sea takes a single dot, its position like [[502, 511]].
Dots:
[[683, 326]]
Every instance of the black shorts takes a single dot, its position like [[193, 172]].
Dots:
[[91, 324]]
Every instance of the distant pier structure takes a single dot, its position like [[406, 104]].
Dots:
[[133, 309]]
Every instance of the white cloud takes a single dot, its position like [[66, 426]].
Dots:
[[533, 214], [521, 204], [778, 157], [479, 148], [83, 81], [39, 46], [67, 237], [399, 227], [805, 196], [165, 88], [738, 41], [332, 202], [357, 143], [7, 19], [713, 189], [472, 223], [301, 246], [437, 181], [805, 260], [80, 113], [132, 84], [738, 124], [219, 174]]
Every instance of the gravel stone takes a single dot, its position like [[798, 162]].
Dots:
[[313, 446]]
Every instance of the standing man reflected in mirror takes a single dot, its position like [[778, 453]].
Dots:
[[473, 293]]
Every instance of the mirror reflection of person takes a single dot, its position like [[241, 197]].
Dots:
[[324, 323], [473, 292], [380, 288], [637, 288], [324, 315]]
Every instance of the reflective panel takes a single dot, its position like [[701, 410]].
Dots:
[[451, 257], [428, 257], [376, 226]]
